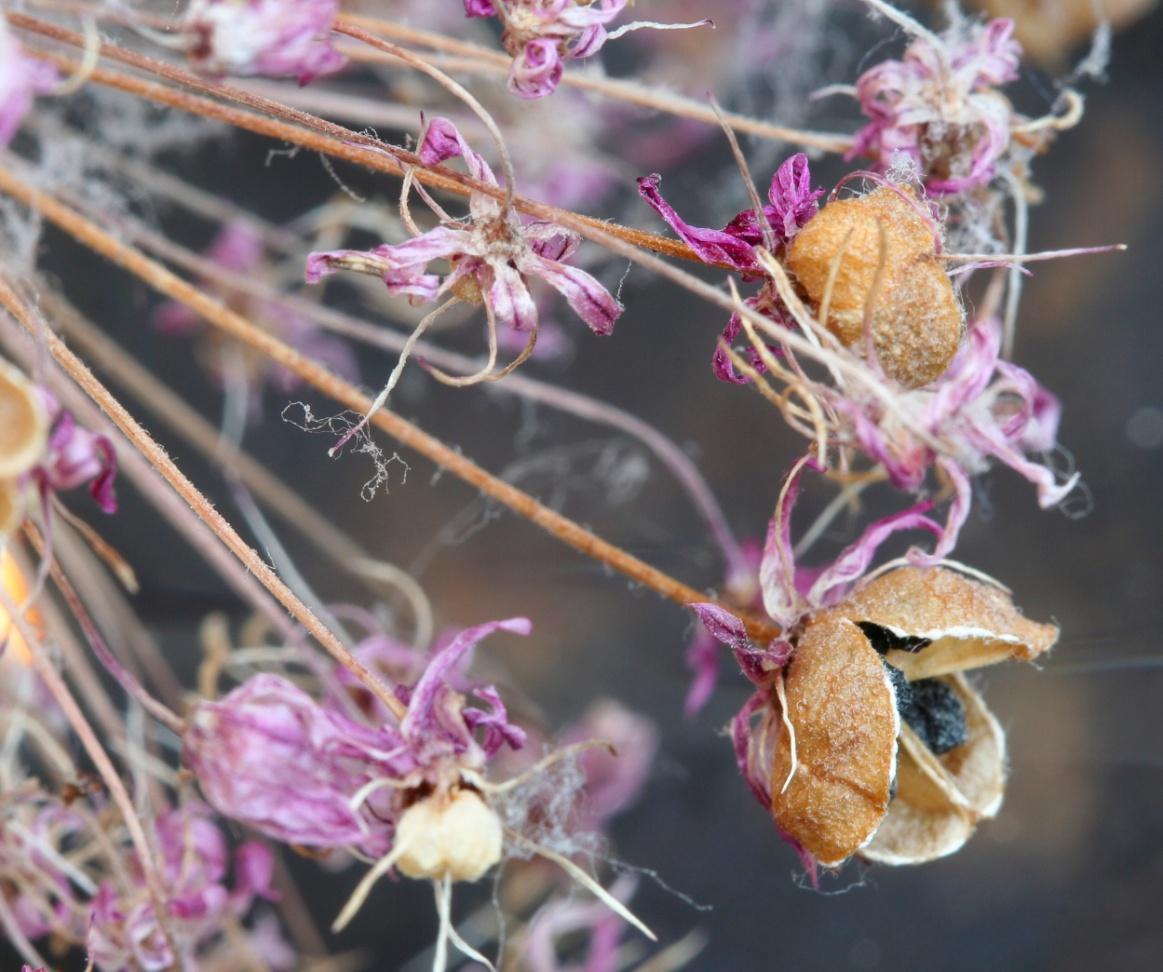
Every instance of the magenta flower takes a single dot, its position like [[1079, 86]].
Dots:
[[791, 203], [76, 457], [937, 107], [22, 77], [271, 756], [543, 34], [195, 859], [491, 256], [274, 38]]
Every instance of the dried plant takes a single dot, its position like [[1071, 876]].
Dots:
[[144, 823]]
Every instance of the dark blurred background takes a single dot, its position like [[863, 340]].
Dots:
[[1070, 875]]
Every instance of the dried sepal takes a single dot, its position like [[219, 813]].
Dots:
[[843, 707], [940, 799], [966, 623], [873, 261], [23, 423]]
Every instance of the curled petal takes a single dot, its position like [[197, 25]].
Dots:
[[442, 141], [537, 69], [592, 302], [712, 246]]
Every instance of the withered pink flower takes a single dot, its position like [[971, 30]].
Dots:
[[543, 34], [938, 106], [275, 38], [123, 928], [268, 754], [22, 77], [792, 202], [491, 256], [982, 408], [76, 457]]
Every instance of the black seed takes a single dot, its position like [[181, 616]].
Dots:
[[884, 640], [935, 713]]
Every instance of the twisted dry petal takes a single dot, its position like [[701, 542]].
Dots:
[[479, 8], [793, 200], [493, 724], [960, 623], [76, 456], [854, 561], [717, 247], [940, 799], [592, 302], [442, 141], [426, 722], [275, 38], [268, 755], [777, 569], [842, 704], [537, 69]]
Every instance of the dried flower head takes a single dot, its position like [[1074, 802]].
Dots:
[[872, 262], [885, 664], [938, 108], [276, 38], [542, 35], [491, 256]]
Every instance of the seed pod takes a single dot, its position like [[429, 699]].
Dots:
[[912, 310], [940, 799], [23, 423], [843, 707], [842, 703], [953, 623], [455, 836]]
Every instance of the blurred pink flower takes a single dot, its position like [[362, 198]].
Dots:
[[275, 38], [22, 77]]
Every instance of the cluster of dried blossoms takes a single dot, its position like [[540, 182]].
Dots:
[[862, 735]]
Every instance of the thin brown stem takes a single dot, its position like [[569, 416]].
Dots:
[[478, 59], [309, 131], [403, 431], [160, 460]]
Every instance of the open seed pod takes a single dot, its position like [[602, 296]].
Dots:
[[940, 798], [887, 278], [859, 681], [842, 705], [23, 423], [931, 621]]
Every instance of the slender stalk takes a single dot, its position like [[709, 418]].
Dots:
[[309, 131], [88, 738], [157, 397], [145, 444], [403, 431], [483, 60]]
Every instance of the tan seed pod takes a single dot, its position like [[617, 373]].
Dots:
[[940, 799], [843, 708], [23, 423], [455, 836], [912, 310], [11, 506], [969, 624]]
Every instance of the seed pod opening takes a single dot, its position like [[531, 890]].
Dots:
[[457, 837], [958, 623], [940, 799], [842, 706], [23, 423], [886, 275]]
